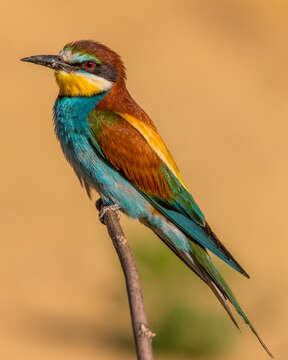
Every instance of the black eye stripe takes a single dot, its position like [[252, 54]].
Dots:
[[106, 71], [80, 64]]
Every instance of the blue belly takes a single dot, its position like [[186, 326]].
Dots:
[[72, 131]]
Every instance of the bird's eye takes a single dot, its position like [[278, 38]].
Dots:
[[89, 65]]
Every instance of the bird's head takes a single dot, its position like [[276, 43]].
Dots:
[[83, 68]]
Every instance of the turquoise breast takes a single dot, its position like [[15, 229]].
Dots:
[[72, 130]]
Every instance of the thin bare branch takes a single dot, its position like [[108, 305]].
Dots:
[[142, 334]]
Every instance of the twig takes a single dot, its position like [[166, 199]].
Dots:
[[142, 334]]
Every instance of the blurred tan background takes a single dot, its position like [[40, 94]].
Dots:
[[213, 76]]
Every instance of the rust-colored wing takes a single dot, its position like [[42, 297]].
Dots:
[[128, 151], [137, 151]]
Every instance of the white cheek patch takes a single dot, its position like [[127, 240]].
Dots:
[[98, 81]]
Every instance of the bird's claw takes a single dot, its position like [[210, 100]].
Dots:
[[104, 208]]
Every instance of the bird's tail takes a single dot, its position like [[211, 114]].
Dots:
[[200, 262]]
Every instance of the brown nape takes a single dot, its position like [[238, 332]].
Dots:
[[118, 99]]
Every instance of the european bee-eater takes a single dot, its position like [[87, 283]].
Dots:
[[115, 148]]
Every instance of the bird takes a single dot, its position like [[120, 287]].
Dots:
[[115, 148]]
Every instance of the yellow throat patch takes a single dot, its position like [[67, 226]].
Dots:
[[78, 84]]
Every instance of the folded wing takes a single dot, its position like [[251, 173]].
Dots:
[[138, 153]]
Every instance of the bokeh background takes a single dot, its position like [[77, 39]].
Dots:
[[213, 76]]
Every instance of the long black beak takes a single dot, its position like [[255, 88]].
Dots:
[[51, 61]]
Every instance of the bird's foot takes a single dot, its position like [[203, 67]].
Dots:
[[102, 208], [106, 208]]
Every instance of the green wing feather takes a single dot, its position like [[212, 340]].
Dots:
[[182, 210], [124, 146]]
